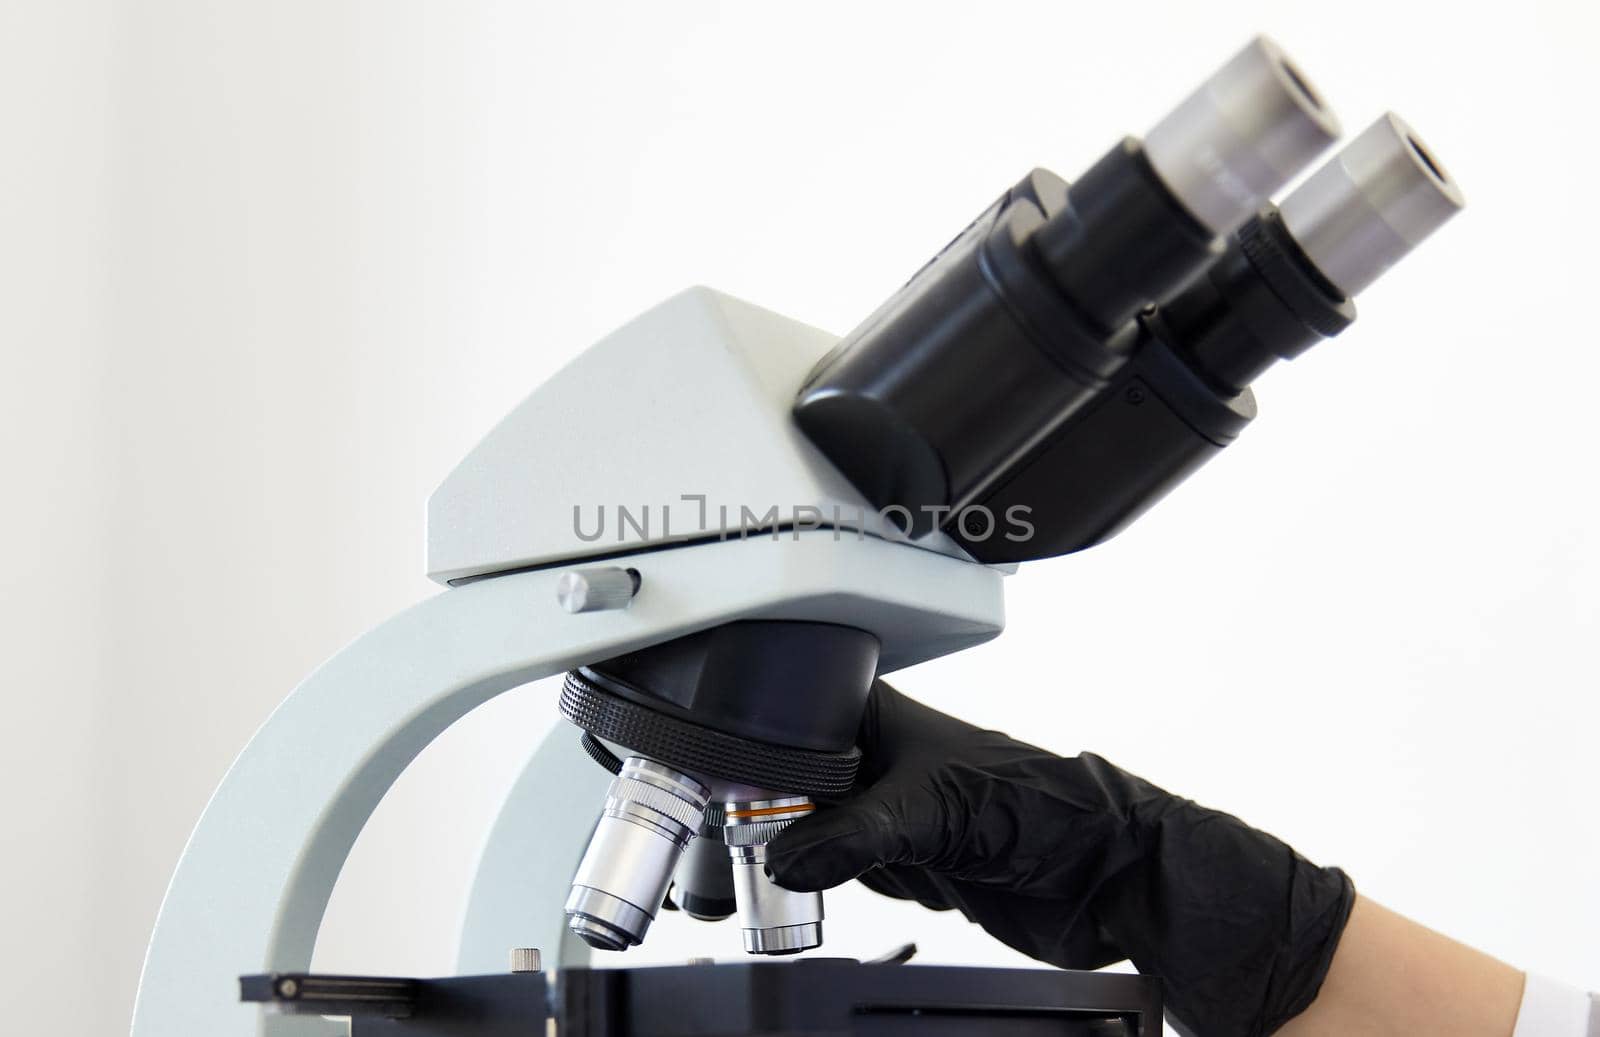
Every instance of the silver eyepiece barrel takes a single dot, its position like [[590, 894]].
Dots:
[[774, 920], [1372, 203], [651, 812], [1246, 132]]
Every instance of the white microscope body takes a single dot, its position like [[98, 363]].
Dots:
[[682, 420]]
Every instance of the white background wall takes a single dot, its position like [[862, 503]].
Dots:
[[267, 270]]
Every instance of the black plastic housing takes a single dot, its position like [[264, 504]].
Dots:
[[1262, 302], [1154, 427], [1020, 321], [1181, 399], [786, 683]]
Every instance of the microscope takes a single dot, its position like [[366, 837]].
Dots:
[[721, 525]]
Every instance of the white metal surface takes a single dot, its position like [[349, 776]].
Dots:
[[689, 400], [251, 887]]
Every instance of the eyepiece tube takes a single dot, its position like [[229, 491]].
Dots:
[[1030, 314], [1290, 274], [1372, 203], [1246, 132]]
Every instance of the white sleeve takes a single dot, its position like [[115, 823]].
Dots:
[[1551, 1009]]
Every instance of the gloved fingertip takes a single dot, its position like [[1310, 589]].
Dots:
[[820, 852], [803, 873]]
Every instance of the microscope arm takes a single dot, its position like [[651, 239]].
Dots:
[[252, 884]]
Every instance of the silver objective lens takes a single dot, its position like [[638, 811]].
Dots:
[[774, 920], [1245, 133], [650, 814], [1373, 202]]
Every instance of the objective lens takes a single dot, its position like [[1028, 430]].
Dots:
[[703, 885], [1372, 203], [774, 920], [1242, 135], [651, 812]]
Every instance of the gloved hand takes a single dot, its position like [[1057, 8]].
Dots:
[[1077, 863]]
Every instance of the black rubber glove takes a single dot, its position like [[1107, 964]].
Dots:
[[1077, 863]]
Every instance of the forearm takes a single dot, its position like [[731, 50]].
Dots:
[[1393, 976]]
